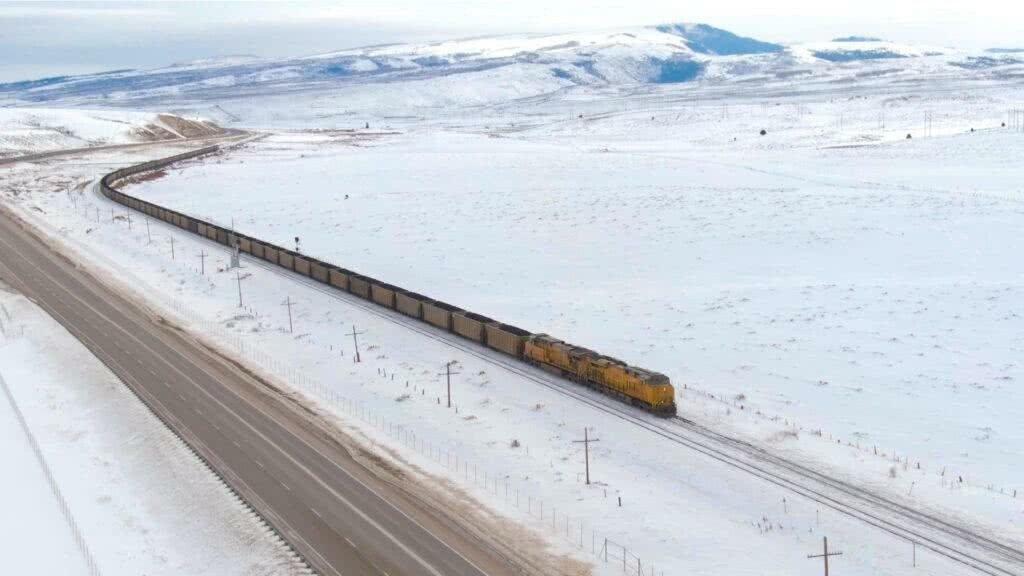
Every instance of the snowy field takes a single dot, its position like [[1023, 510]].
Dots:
[[774, 280], [831, 290], [135, 500], [862, 291]]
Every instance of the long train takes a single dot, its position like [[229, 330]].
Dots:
[[649, 390]]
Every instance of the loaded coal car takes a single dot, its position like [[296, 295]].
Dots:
[[650, 390]]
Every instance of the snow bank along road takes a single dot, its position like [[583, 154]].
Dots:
[[332, 510], [971, 546]]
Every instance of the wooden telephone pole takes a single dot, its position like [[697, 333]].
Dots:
[[448, 373], [586, 450], [202, 262], [288, 302], [238, 277], [825, 555], [355, 341]]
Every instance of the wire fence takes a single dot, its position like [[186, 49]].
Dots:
[[65, 510]]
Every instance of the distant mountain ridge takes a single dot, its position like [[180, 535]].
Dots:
[[857, 39], [705, 39], [494, 68]]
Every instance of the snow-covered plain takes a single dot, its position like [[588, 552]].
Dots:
[[830, 290], [861, 291], [777, 278], [141, 502]]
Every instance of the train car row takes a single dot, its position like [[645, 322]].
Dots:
[[649, 390]]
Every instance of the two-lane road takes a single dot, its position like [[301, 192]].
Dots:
[[338, 515]]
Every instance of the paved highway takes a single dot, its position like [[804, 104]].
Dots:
[[343, 519]]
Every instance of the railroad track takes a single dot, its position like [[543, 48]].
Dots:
[[930, 532], [942, 537]]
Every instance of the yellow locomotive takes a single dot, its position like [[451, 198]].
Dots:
[[651, 390]]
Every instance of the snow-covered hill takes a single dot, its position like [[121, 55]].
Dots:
[[493, 69], [29, 130]]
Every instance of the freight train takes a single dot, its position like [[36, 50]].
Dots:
[[643, 388]]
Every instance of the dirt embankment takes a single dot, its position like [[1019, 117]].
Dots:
[[169, 127]]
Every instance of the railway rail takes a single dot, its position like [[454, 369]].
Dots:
[[944, 537]]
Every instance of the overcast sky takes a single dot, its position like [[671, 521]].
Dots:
[[39, 39]]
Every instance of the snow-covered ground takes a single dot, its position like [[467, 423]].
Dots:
[[28, 130], [132, 498], [860, 291], [802, 294], [830, 290]]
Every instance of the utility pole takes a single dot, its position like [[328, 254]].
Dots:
[[288, 303], [448, 373], [238, 276], [202, 262], [825, 555], [149, 237], [586, 450], [355, 341], [172, 247], [129, 214]]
